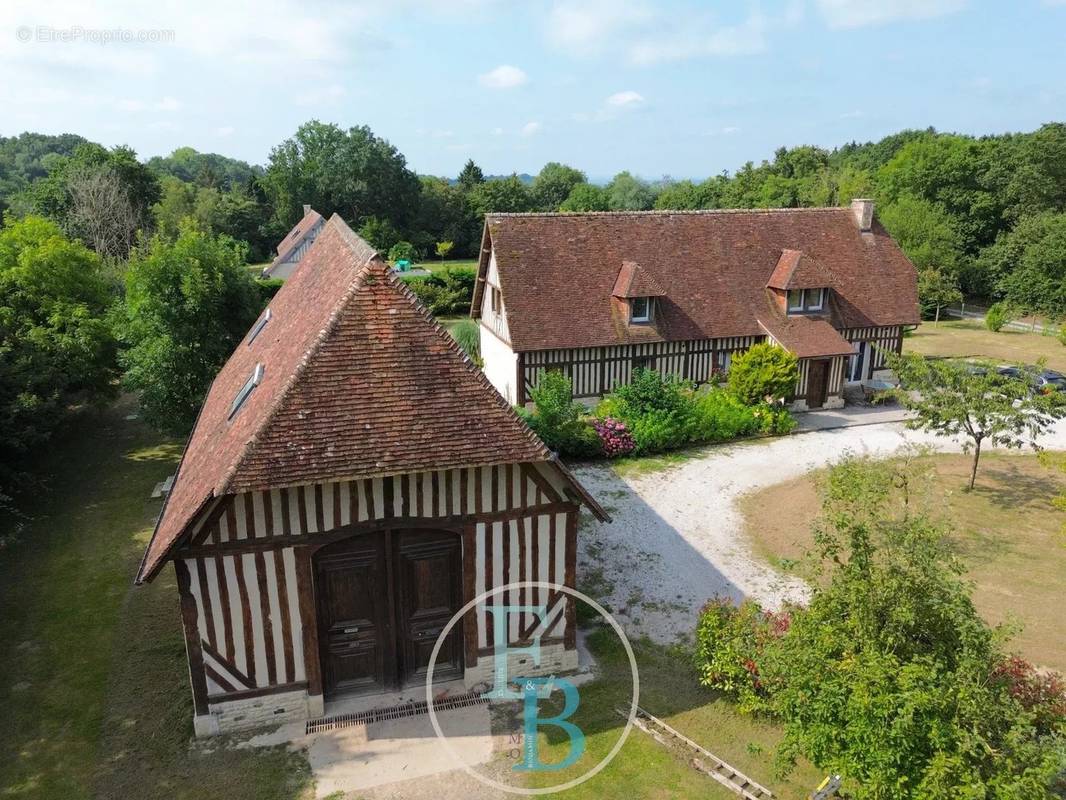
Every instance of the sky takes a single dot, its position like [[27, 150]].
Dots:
[[681, 88]]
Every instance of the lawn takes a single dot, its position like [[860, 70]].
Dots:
[[93, 679], [969, 339], [435, 264], [646, 769], [1006, 531]]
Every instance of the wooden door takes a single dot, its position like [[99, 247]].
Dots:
[[383, 598], [356, 637], [817, 383], [428, 568]]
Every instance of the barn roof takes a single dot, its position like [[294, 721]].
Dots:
[[355, 380], [294, 238], [558, 271]]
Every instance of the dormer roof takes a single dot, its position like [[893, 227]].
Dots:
[[797, 270], [632, 281]]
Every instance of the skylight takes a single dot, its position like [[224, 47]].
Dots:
[[260, 323], [242, 395]]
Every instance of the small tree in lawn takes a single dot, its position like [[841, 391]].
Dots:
[[763, 373], [443, 248], [972, 400], [937, 289]]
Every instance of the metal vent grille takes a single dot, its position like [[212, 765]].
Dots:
[[412, 709]]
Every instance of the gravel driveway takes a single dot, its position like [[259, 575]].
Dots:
[[677, 537]]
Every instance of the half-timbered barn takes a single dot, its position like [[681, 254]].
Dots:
[[598, 295], [351, 482]]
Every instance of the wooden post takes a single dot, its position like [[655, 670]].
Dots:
[[309, 620], [192, 639]]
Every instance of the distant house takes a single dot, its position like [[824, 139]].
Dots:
[[352, 481], [597, 295], [295, 245]]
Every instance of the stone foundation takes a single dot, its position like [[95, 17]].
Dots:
[[830, 403], [229, 716], [555, 659]]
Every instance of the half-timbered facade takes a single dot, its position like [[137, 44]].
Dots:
[[598, 295], [353, 481]]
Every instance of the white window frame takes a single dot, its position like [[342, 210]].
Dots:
[[799, 294], [246, 390], [260, 323], [811, 306], [805, 300], [633, 316]]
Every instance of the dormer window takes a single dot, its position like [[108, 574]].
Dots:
[[639, 309], [801, 300]]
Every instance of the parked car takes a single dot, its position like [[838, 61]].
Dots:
[[1046, 380]]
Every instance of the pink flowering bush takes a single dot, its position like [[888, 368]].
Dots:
[[615, 437]]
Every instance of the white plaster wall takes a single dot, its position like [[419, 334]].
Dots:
[[501, 364]]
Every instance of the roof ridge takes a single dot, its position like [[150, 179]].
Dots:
[[665, 212], [347, 236]]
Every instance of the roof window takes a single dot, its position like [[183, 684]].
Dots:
[[242, 395], [260, 323]]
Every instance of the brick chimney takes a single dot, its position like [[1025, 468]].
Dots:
[[864, 213], [307, 208]]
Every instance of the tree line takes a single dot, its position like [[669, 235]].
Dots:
[[117, 269]]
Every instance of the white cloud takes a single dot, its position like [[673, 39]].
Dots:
[[503, 77], [860, 13], [625, 99], [225, 130], [645, 34], [531, 128], [853, 114], [728, 130]]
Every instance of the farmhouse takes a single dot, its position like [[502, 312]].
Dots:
[[296, 244], [351, 482], [597, 295]]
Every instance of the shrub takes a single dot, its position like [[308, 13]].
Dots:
[[730, 641], [268, 287], [763, 372], [557, 419], [997, 316], [720, 416], [402, 251], [650, 391], [1062, 333], [446, 292], [615, 438], [468, 337]]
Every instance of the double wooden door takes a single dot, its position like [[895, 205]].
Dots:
[[817, 383], [383, 599]]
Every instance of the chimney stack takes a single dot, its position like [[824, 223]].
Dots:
[[864, 213], [307, 209]]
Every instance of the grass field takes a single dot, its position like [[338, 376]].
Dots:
[[1006, 532], [93, 681], [646, 769], [969, 339], [435, 264]]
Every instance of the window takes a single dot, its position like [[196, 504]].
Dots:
[[260, 323], [800, 300], [496, 299], [242, 395], [640, 309]]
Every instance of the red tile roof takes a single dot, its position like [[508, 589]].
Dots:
[[358, 381], [632, 281], [796, 270], [806, 337], [295, 237], [558, 271]]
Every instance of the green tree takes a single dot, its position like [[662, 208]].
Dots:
[[1030, 263], [381, 233], [205, 169], [585, 197], [975, 402], [402, 251], [925, 232], [56, 348], [443, 249], [351, 172], [445, 213], [937, 289], [889, 676], [189, 302], [678, 196], [470, 175], [553, 185], [502, 195], [627, 193], [763, 372]]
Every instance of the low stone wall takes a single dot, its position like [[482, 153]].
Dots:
[[257, 712], [555, 659]]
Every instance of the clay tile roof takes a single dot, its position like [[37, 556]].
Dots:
[[796, 270], [295, 237], [358, 381], [632, 281], [558, 271], [807, 337]]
